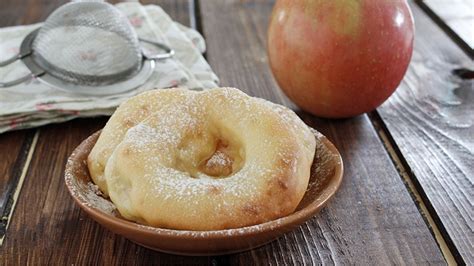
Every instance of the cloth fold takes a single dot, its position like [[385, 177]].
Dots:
[[32, 103]]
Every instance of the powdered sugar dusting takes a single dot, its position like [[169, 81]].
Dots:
[[219, 158], [169, 146], [164, 147], [88, 194], [169, 133]]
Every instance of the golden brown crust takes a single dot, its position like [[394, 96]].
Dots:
[[127, 115], [208, 160]]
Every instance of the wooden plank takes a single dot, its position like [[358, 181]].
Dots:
[[430, 118], [20, 12], [47, 226], [373, 219], [11, 148], [15, 147], [456, 17]]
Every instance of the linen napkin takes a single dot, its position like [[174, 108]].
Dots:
[[32, 103]]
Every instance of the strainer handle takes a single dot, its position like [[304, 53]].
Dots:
[[168, 51], [14, 58], [18, 80], [10, 60]]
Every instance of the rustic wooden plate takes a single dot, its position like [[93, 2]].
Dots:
[[326, 177]]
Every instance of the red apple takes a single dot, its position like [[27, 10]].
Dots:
[[340, 58]]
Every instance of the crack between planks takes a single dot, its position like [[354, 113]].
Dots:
[[7, 213], [446, 28], [447, 247]]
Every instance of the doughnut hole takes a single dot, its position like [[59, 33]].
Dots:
[[224, 161], [192, 149], [210, 153]]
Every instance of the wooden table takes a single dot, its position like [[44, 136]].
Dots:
[[407, 194]]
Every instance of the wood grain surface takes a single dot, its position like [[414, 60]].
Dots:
[[16, 146], [431, 119], [457, 17], [10, 164], [372, 220]]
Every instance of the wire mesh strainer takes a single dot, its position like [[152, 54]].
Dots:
[[87, 47]]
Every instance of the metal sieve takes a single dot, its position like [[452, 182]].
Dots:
[[87, 47]]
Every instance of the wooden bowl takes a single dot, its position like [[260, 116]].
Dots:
[[326, 177]]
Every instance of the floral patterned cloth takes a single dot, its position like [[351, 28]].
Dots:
[[32, 103]]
